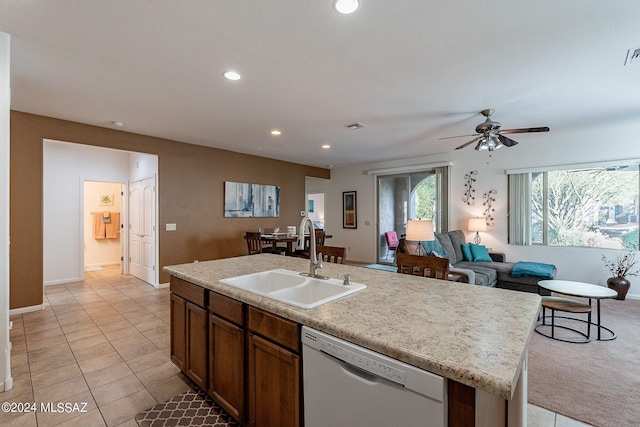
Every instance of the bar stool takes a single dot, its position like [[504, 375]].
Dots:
[[568, 306]]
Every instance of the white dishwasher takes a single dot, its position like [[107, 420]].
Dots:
[[349, 386]]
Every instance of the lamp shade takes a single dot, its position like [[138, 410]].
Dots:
[[477, 224], [420, 230]]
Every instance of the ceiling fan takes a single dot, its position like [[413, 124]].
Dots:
[[489, 135]]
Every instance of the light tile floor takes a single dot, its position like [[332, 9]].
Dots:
[[104, 342]]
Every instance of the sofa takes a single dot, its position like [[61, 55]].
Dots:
[[493, 273]]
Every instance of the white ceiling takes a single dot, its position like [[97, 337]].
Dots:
[[412, 71]]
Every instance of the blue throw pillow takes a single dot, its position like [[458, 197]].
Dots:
[[480, 253], [466, 251], [533, 269], [434, 246]]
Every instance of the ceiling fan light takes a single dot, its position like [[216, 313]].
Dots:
[[497, 143], [482, 145]]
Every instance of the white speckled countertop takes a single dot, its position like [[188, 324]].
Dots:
[[474, 335]]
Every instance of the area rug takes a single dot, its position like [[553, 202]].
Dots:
[[598, 382], [187, 409], [383, 267]]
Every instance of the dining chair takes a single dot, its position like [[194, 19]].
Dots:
[[304, 252], [426, 266], [254, 242], [332, 254]]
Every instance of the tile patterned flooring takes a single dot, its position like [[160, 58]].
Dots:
[[105, 342]]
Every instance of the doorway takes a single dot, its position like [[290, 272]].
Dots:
[[66, 167], [103, 240], [406, 196], [315, 209]]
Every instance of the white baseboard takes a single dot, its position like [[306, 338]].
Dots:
[[29, 309], [62, 281], [7, 384], [162, 286]]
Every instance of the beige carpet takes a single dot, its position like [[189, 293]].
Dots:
[[598, 382]]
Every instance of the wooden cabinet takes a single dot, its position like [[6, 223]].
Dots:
[[178, 331], [274, 374], [246, 359], [189, 325], [227, 354], [196, 345]]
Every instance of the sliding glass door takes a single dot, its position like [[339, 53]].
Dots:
[[417, 195]]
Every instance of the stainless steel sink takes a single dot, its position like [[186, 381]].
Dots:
[[290, 287]]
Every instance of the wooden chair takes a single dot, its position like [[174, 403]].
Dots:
[[332, 254], [304, 252], [426, 266], [254, 242]]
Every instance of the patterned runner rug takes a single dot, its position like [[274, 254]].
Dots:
[[188, 409]]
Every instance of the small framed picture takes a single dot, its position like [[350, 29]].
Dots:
[[106, 200], [349, 210]]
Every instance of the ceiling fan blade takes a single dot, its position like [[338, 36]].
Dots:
[[459, 136], [467, 143], [507, 142], [526, 130]]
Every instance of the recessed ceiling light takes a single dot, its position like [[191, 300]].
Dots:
[[346, 7], [326, 146], [232, 75], [276, 132]]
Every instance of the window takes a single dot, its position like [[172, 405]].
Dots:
[[587, 206]]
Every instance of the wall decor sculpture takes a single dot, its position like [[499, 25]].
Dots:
[[468, 198], [242, 200], [489, 197]]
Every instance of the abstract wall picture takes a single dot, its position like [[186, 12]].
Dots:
[[243, 200]]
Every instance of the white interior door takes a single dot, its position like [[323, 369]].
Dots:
[[142, 229]]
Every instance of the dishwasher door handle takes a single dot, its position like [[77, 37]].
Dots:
[[366, 377]]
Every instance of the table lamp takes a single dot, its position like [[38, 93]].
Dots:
[[477, 225], [420, 231]]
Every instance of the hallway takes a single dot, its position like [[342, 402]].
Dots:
[[104, 342]]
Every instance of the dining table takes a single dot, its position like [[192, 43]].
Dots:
[[275, 238]]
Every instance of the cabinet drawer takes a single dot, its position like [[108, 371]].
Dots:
[[194, 293], [227, 308], [277, 329]]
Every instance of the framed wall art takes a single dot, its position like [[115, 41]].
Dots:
[[349, 210], [243, 200]]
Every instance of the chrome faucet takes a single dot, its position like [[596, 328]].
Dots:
[[315, 262]]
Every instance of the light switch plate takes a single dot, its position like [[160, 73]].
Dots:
[[170, 227]]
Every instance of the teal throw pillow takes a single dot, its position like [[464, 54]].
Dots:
[[480, 253], [466, 251]]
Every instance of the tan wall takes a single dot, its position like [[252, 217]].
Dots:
[[190, 194]]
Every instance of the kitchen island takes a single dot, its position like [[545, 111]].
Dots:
[[471, 335]]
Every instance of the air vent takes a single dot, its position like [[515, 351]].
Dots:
[[633, 55], [355, 126]]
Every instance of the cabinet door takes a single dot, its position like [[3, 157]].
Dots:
[[178, 331], [196, 348], [274, 385], [226, 366]]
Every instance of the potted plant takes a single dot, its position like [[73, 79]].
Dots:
[[621, 269]]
